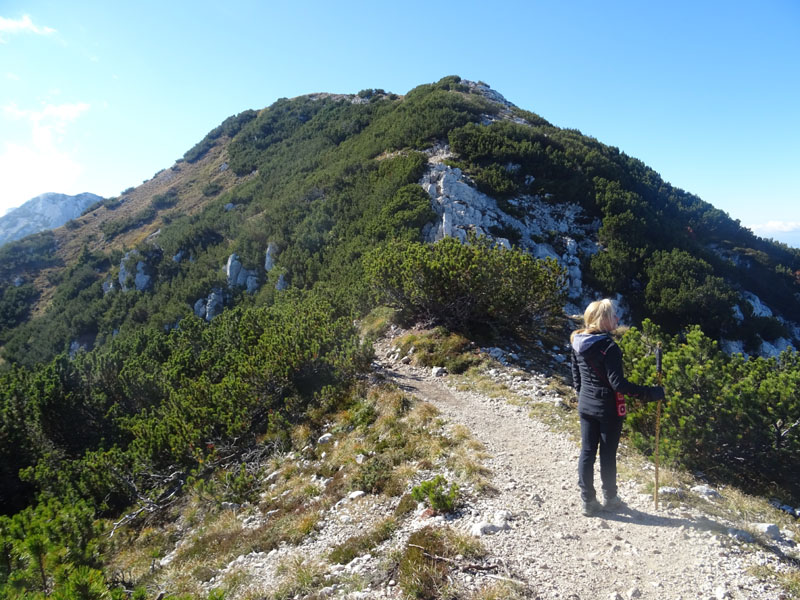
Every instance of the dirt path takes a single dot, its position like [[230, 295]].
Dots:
[[637, 552]]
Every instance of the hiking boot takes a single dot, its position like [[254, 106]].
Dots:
[[613, 503], [591, 508]]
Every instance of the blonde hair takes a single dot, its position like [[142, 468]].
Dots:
[[599, 317]]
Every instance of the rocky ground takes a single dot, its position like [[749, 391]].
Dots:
[[532, 525]]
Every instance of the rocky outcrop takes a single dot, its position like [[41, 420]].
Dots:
[[136, 275], [269, 259], [239, 277], [759, 308], [210, 307], [543, 227]]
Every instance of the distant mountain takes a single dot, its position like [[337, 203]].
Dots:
[[46, 211]]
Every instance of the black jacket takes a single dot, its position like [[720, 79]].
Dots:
[[597, 376]]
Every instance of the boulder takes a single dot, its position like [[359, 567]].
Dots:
[[269, 259], [238, 276], [215, 304], [768, 529], [141, 277], [706, 491], [200, 308]]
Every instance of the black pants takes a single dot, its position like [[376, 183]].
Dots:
[[605, 433]]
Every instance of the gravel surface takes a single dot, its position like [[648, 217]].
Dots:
[[532, 527], [635, 552]]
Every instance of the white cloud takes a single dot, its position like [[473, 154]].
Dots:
[[776, 226], [40, 163], [23, 25], [12, 76]]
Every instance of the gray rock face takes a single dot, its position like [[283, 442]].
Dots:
[[142, 280], [759, 308], [47, 211], [239, 277], [215, 304], [462, 209], [210, 307], [200, 308], [269, 259]]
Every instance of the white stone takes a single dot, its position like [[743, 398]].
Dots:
[[484, 528], [325, 438], [706, 491], [732, 347], [720, 593], [768, 529], [355, 495], [759, 308]]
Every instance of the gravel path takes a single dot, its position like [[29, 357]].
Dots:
[[637, 552]]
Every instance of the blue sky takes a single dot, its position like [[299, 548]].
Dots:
[[98, 96]]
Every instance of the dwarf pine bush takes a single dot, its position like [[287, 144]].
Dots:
[[436, 493], [468, 286]]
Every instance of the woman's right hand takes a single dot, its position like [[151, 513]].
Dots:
[[655, 393]]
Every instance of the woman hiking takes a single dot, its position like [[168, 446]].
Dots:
[[601, 386]]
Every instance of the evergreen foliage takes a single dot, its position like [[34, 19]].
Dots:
[[468, 286], [732, 417]]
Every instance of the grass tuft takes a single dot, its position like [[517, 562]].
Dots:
[[360, 544]]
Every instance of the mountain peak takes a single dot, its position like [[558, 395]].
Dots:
[[45, 211]]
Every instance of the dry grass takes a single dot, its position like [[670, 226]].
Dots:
[[397, 436], [377, 322], [300, 577], [360, 544], [788, 579], [475, 380], [498, 591], [420, 574]]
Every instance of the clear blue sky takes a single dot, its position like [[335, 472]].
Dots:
[[98, 96]]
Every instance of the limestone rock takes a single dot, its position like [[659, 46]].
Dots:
[[706, 491], [768, 529], [269, 259], [483, 528], [238, 276], [140, 277]]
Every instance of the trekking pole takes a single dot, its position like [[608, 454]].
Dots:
[[658, 417]]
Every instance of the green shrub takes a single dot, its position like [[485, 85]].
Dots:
[[373, 474], [212, 189], [468, 286], [437, 494], [165, 200]]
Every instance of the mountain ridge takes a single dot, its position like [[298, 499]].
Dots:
[[45, 211]]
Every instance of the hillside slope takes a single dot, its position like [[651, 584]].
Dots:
[[316, 181], [518, 525]]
